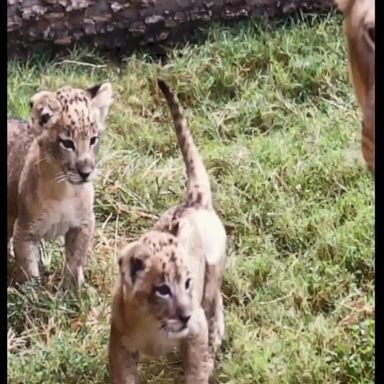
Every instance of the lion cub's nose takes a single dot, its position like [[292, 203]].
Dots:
[[183, 317], [84, 168]]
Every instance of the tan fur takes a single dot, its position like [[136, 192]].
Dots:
[[51, 165], [359, 27], [168, 294]]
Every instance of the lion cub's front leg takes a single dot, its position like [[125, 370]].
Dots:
[[196, 354], [26, 247], [77, 243], [122, 363]]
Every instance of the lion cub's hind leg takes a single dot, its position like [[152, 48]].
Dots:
[[214, 311], [216, 329]]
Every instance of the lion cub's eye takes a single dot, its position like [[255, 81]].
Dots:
[[67, 144], [163, 290], [188, 283], [93, 140]]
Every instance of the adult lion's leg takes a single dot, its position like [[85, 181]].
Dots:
[[10, 226]]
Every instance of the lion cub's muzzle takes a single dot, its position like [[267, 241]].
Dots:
[[85, 168], [178, 325]]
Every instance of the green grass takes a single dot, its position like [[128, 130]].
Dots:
[[273, 112]]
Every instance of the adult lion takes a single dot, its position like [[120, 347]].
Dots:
[[359, 27]]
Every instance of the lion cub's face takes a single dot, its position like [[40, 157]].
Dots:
[[69, 122], [158, 281]]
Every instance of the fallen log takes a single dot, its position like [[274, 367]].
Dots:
[[125, 25]]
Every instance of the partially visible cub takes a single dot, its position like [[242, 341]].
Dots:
[[51, 165], [359, 28], [169, 289]]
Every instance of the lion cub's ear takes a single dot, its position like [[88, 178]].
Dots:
[[131, 264], [344, 5], [101, 99], [45, 110]]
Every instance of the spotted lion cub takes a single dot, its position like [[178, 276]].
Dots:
[[168, 293], [51, 165]]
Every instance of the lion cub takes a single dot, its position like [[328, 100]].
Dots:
[[51, 164], [168, 293]]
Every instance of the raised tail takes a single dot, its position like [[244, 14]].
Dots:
[[199, 188]]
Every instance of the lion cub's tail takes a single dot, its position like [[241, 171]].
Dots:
[[199, 188]]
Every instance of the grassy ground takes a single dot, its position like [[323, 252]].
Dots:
[[273, 112]]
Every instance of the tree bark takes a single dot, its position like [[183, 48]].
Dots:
[[127, 24]]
